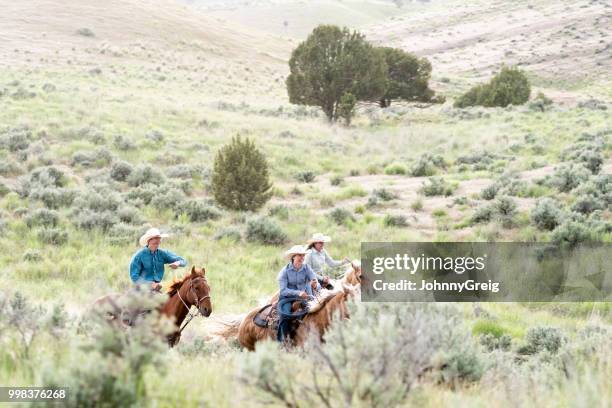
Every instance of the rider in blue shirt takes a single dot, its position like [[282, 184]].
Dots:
[[147, 264], [296, 279]]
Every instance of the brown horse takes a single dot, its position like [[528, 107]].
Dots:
[[315, 322], [192, 290], [351, 276], [230, 328]]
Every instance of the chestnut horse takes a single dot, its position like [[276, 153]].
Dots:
[[242, 326], [316, 322], [192, 290]]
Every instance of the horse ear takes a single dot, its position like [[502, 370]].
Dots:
[[203, 271], [193, 270]]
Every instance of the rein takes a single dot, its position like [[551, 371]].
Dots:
[[197, 305]]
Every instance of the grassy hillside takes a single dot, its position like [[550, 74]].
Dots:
[[89, 87]]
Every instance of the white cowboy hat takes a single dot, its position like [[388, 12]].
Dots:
[[151, 233], [318, 237], [296, 250]]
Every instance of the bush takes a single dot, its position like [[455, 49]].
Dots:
[[229, 233], [491, 342], [489, 192], [122, 233], [458, 366], [390, 347], [586, 204], [384, 194], [145, 174], [306, 176], [542, 338], [507, 184], [504, 210], [181, 171], [587, 153], [265, 231], [199, 211], [123, 143], [482, 215], [88, 220], [143, 193], [395, 221], [547, 214], [395, 169], [540, 103], [107, 365], [32, 255], [130, 215], [43, 177], [428, 165], [568, 177], [437, 186], [340, 216], [85, 32], [99, 158], [417, 204], [509, 87], [42, 218], [336, 180], [52, 197], [169, 199], [53, 236], [240, 179], [571, 233], [155, 136], [120, 170], [280, 211]]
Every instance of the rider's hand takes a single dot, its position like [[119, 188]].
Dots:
[[325, 280], [156, 286], [303, 295], [175, 265], [313, 283]]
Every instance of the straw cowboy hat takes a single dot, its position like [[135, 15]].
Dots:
[[318, 237], [151, 233], [296, 250]]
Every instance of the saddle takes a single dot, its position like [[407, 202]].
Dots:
[[268, 315]]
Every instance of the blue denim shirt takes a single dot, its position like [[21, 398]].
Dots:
[[292, 282], [149, 267]]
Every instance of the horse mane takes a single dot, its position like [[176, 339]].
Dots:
[[176, 285], [349, 276]]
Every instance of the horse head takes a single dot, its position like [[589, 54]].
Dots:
[[353, 274], [199, 291]]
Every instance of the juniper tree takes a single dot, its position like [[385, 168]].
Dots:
[[332, 62], [407, 77], [240, 179]]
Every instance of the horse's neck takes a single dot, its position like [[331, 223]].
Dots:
[[175, 307], [330, 307]]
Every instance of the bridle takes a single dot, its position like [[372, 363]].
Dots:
[[195, 296]]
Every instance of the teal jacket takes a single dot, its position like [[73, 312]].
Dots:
[[149, 267]]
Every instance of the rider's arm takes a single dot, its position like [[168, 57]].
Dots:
[[170, 257], [282, 284], [331, 262], [311, 275], [135, 268]]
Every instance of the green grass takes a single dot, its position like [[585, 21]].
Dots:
[[130, 102]]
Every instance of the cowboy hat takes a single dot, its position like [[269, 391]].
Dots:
[[296, 250], [318, 237], [151, 233]]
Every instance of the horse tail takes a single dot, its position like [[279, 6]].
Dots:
[[225, 328]]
